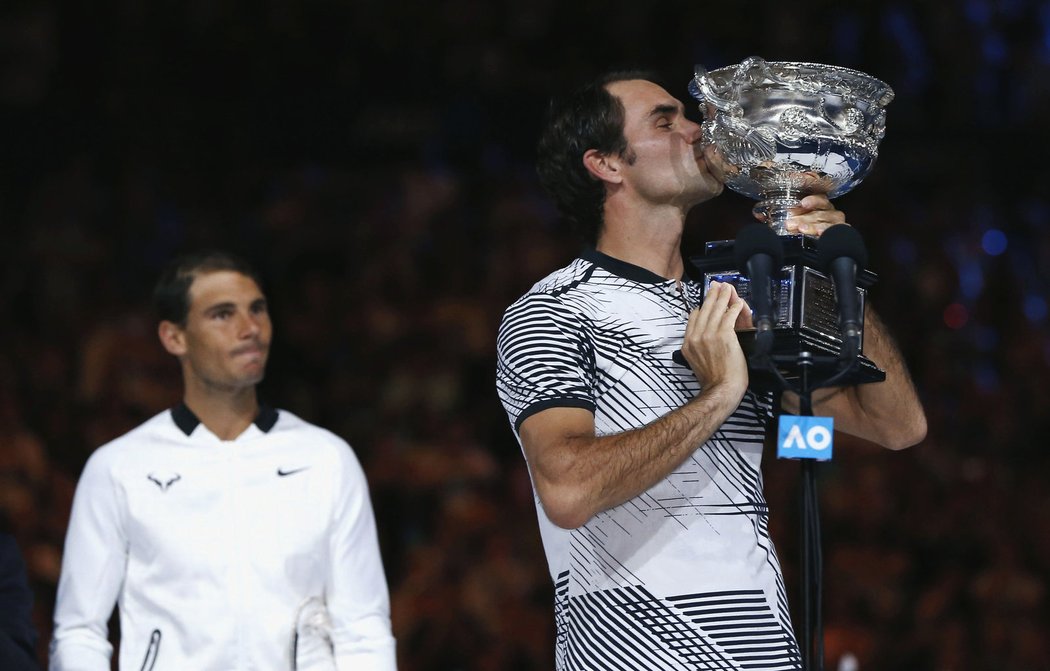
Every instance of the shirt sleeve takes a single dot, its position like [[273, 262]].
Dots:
[[93, 566], [544, 358], [356, 594]]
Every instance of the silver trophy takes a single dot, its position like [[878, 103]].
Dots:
[[777, 132]]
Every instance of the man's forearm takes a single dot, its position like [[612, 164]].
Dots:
[[888, 413], [894, 405], [586, 474]]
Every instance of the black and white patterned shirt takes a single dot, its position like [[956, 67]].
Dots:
[[683, 576]]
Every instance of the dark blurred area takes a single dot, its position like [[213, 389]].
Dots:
[[375, 159]]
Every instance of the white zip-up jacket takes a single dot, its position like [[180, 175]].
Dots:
[[211, 548]]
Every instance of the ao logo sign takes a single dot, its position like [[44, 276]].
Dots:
[[805, 437]]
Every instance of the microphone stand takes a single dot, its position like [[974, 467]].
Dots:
[[811, 643], [812, 553]]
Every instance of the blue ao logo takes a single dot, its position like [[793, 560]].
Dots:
[[805, 437]]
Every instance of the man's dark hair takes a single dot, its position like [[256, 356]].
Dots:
[[171, 295], [589, 118]]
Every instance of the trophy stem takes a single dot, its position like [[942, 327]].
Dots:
[[773, 208]]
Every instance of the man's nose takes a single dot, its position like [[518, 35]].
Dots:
[[249, 326], [694, 131]]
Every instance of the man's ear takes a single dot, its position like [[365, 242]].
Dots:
[[172, 337], [604, 167]]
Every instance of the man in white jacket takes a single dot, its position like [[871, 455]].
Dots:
[[232, 535]]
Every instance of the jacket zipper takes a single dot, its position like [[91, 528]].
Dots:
[[151, 651]]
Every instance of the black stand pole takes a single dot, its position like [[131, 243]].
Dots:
[[811, 642], [814, 572]]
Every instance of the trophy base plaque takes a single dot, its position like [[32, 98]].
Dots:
[[805, 314]]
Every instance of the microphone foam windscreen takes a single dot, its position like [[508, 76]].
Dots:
[[758, 239], [838, 241]]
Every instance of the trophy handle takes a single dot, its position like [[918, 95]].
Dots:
[[700, 88], [752, 143]]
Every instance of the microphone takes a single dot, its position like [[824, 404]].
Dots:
[[841, 254], [759, 253]]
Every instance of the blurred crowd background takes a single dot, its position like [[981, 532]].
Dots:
[[375, 159]]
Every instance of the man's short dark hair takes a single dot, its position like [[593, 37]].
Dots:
[[171, 295], [589, 118]]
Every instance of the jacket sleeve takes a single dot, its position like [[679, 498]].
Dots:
[[17, 635], [356, 593], [93, 566]]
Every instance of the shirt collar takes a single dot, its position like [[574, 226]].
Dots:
[[187, 421], [623, 269]]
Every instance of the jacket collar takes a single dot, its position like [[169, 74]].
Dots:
[[187, 421]]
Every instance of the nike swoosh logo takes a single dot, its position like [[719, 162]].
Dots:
[[281, 472]]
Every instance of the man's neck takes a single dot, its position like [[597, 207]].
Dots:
[[226, 414], [650, 238]]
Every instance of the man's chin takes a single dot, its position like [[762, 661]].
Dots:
[[253, 374], [711, 189]]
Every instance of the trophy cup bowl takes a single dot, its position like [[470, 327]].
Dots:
[[779, 131]]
